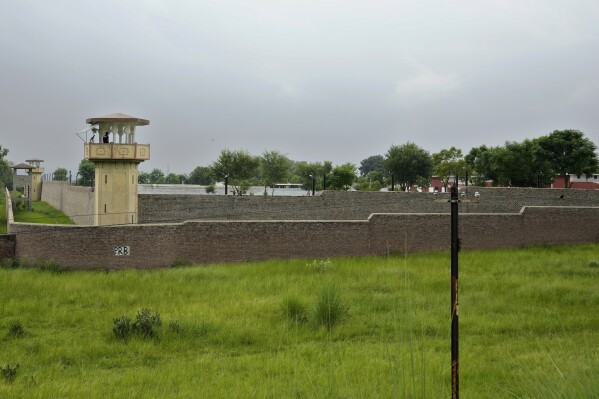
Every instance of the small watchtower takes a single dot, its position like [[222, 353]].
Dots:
[[116, 156], [36, 178]]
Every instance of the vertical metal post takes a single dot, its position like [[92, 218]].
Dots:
[[226, 184], [392, 181], [324, 182], [455, 248], [313, 184]]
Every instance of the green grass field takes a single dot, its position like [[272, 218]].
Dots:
[[529, 328], [42, 212]]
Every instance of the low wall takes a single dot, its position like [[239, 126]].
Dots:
[[337, 205], [7, 241], [156, 245], [74, 201]]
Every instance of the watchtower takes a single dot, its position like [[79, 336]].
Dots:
[[116, 156], [36, 178]]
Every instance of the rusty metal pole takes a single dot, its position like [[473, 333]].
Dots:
[[455, 248]]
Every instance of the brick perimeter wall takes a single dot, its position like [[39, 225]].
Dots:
[[158, 245], [75, 201], [335, 205]]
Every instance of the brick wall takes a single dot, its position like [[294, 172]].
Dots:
[[335, 205], [156, 245], [75, 201], [7, 246]]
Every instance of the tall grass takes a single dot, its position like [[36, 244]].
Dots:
[[528, 319]]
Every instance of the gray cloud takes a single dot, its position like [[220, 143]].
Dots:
[[336, 80]]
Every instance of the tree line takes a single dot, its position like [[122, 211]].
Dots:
[[530, 163]]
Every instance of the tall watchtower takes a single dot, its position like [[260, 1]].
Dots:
[[116, 156], [36, 178]]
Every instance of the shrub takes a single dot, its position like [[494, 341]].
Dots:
[[16, 330], [329, 309], [122, 328], [295, 310], [320, 266], [146, 323], [50, 265], [174, 326], [210, 189], [9, 373], [11, 263], [593, 263]]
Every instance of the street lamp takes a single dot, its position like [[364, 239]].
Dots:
[[226, 183], [313, 184]]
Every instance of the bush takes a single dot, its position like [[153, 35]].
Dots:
[[320, 266], [295, 310], [210, 189], [122, 328], [174, 326], [329, 309], [9, 373], [146, 323], [11, 263], [16, 330], [593, 263], [50, 265]]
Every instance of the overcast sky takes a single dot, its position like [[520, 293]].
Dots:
[[316, 80]]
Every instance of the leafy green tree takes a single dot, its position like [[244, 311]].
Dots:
[[156, 176], [567, 152], [482, 162], [60, 174], [302, 171], [201, 175], [239, 166], [274, 168], [173, 178], [327, 167], [409, 163], [143, 178], [5, 172], [87, 173], [448, 163], [516, 164], [373, 181], [343, 176], [374, 163]]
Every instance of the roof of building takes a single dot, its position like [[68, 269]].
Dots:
[[34, 160], [23, 166], [118, 117]]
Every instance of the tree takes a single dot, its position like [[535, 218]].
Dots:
[[201, 175], [567, 152], [409, 163], [237, 165], [143, 178], [302, 171], [374, 163], [5, 172], [173, 178], [156, 176], [86, 172], [60, 174], [343, 176], [516, 164], [482, 162], [274, 168], [449, 163]]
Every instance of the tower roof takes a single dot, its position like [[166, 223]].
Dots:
[[118, 117], [23, 166]]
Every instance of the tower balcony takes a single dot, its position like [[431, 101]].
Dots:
[[116, 152]]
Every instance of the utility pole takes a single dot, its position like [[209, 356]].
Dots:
[[455, 248]]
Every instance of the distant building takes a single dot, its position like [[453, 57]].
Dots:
[[577, 181]]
